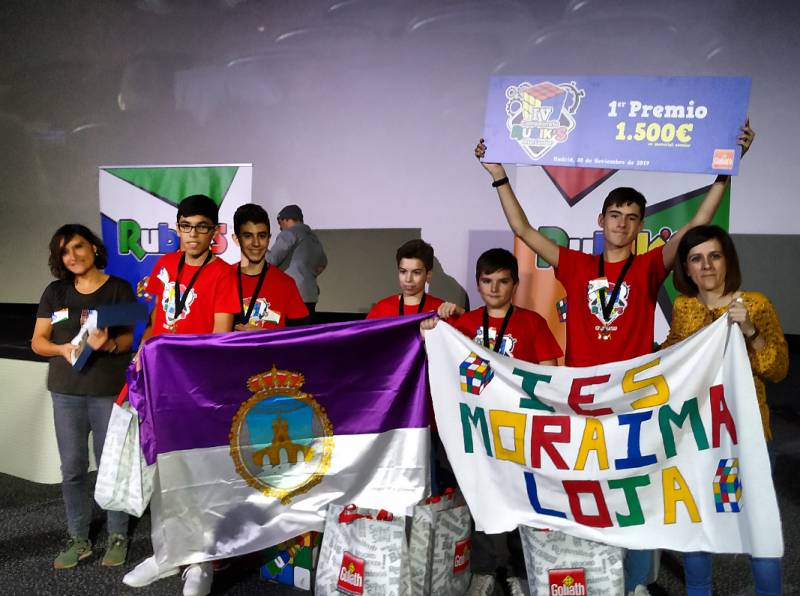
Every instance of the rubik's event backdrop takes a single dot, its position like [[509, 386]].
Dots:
[[138, 206]]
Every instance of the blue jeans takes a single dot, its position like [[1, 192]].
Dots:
[[637, 568], [75, 416], [697, 568]]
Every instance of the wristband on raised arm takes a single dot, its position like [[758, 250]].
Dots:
[[500, 182]]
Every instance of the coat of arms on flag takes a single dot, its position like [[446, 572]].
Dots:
[[281, 438]]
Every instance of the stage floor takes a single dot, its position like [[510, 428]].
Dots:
[[32, 531]]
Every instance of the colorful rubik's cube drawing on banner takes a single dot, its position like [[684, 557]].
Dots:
[[727, 486], [292, 562], [542, 102], [475, 374]]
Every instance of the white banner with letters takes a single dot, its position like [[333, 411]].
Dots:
[[661, 451]]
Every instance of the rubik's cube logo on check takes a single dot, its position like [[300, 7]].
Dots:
[[541, 115]]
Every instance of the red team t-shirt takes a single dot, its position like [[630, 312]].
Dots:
[[213, 292], [527, 335], [630, 332], [277, 300], [388, 307]]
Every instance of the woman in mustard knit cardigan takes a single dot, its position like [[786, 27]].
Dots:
[[707, 274]]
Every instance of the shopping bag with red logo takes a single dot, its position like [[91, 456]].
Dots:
[[364, 551], [565, 565], [440, 545]]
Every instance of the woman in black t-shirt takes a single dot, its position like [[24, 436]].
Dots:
[[82, 400]]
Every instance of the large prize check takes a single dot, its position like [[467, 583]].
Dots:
[[674, 124]]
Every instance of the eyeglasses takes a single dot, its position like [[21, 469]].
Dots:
[[201, 228]]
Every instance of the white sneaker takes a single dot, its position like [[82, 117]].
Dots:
[[146, 572], [197, 579], [517, 586], [481, 585], [640, 590]]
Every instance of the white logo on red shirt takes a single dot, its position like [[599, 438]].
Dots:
[[168, 300], [261, 312], [507, 345], [593, 299]]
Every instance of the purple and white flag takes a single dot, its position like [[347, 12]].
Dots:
[[255, 434]]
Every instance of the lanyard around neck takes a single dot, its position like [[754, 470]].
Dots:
[[402, 306], [180, 301], [607, 307], [500, 334], [259, 283]]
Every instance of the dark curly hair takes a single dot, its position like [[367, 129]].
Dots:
[[63, 235]]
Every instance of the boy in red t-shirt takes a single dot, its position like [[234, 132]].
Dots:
[[194, 292], [414, 270], [515, 332], [499, 325], [204, 300], [268, 297]]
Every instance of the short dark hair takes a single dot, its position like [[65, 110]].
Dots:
[[698, 235], [496, 259], [63, 235], [624, 195], [249, 212], [199, 205], [416, 249]]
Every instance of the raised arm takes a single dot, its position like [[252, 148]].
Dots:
[[536, 241], [705, 212]]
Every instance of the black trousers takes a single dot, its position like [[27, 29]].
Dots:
[[498, 551]]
